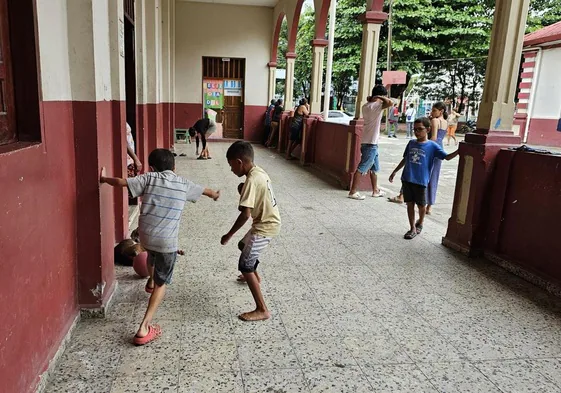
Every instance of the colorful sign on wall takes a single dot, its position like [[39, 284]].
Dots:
[[213, 93], [233, 87]]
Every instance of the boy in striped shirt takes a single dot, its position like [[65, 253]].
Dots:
[[163, 198]]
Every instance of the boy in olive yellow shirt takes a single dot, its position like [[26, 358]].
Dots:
[[257, 201]]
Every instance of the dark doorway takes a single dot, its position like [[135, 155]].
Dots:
[[130, 66]]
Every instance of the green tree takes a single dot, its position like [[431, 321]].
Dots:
[[281, 57], [347, 49], [543, 13], [304, 59]]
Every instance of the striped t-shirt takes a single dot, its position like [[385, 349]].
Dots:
[[163, 199]]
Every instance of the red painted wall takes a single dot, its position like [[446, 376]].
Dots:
[[254, 117], [254, 123], [543, 132], [57, 232], [330, 150], [38, 288], [187, 114], [524, 215]]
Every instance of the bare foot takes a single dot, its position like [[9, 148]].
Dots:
[[255, 316]]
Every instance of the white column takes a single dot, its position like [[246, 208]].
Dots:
[[289, 87], [329, 67], [149, 59], [496, 111], [318, 47], [369, 58], [166, 52], [272, 80]]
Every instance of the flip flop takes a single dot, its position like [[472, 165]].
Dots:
[[395, 200], [154, 331], [240, 278], [148, 289], [410, 235], [419, 228]]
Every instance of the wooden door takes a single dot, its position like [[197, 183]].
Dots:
[[233, 117], [231, 72]]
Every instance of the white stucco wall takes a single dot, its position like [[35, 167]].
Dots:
[[53, 50], [547, 104], [79, 45], [219, 30]]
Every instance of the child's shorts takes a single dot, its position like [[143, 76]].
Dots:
[[414, 193], [163, 264], [253, 245]]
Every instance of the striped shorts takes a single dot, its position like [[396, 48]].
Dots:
[[252, 246]]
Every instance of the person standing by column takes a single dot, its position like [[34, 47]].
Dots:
[[268, 120], [410, 116], [369, 162], [297, 126], [393, 116], [275, 124], [452, 125], [439, 125]]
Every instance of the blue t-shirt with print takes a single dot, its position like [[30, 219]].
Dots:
[[419, 159]]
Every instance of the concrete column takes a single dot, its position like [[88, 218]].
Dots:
[[272, 80], [96, 72], [289, 87], [172, 69], [165, 88], [473, 212], [496, 111], [372, 21], [317, 75]]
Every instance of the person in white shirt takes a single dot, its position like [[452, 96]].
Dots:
[[410, 116], [369, 162]]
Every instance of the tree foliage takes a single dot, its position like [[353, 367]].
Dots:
[[543, 13], [445, 42]]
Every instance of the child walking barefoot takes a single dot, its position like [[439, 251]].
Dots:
[[418, 160], [257, 201], [165, 195], [241, 246]]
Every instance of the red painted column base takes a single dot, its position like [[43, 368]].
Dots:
[[308, 139], [468, 226]]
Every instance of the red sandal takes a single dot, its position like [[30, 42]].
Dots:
[[154, 331]]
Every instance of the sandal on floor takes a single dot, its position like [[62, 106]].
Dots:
[[148, 289], [395, 200], [419, 228], [154, 331], [240, 278], [410, 235]]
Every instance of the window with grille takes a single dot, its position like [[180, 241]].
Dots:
[[7, 106], [226, 68], [19, 76]]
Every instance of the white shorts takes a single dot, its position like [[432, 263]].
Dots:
[[253, 245]]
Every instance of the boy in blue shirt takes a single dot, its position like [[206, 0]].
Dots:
[[418, 160]]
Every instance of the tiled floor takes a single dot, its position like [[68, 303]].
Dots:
[[355, 307]]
